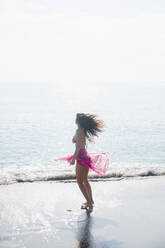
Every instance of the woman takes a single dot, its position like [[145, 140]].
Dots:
[[88, 127]]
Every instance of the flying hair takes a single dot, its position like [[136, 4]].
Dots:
[[90, 124]]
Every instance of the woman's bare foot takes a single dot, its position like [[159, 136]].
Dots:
[[84, 205], [87, 204]]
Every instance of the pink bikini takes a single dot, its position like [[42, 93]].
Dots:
[[98, 162]]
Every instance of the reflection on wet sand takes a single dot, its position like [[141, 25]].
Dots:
[[84, 236]]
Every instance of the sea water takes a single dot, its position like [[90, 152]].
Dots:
[[37, 123]]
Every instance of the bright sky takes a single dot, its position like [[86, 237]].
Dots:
[[82, 41]]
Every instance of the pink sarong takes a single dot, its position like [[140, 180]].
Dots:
[[98, 162]]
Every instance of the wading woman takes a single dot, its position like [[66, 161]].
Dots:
[[88, 126]]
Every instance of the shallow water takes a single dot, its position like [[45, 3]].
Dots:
[[37, 125]]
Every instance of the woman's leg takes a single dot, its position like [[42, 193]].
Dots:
[[79, 175], [87, 184]]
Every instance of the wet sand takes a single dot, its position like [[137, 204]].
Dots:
[[127, 214]]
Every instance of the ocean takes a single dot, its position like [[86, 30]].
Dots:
[[37, 123]]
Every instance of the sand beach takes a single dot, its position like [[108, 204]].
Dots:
[[127, 214]]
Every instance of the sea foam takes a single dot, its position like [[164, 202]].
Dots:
[[66, 173]]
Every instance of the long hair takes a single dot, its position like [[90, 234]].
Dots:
[[90, 124]]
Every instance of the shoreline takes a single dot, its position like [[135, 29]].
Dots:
[[91, 179], [127, 213]]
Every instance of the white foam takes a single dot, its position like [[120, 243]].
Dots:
[[14, 174]]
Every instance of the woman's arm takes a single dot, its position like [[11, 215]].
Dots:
[[79, 145]]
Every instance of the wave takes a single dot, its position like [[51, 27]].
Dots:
[[65, 174]]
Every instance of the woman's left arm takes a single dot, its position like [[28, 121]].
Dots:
[[78, 146]]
